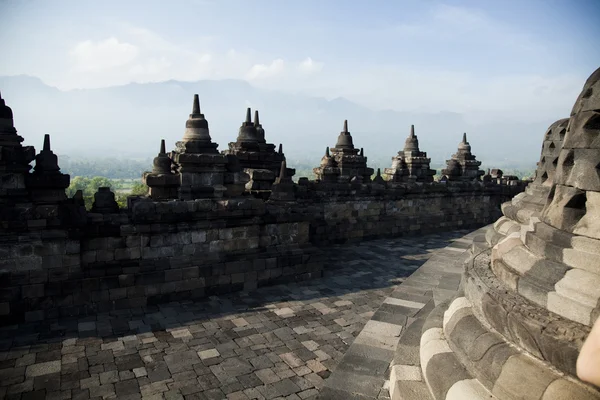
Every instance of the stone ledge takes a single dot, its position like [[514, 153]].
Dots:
[[445, 376], [497, 365], [530, 326], [389, 343]]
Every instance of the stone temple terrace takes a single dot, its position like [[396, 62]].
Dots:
[[231, 280]]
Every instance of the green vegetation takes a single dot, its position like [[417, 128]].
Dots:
[[112, 168], [121, 187]]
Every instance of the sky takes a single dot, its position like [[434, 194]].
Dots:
[[515, 60]]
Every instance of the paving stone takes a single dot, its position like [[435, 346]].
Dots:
[[128, 387], [291, 359], [282, 331], [310, 345], [285, 387], [158, 372], [25, 386], [206, 354], [49, 382], [102, 390], [267, 376], [109, 377], [44, 368], [261, 362], [93, 380], [26, 360]]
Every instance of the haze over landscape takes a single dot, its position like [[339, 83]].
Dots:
[[111, 79]]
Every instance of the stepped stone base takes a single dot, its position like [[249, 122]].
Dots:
[[458, 347], [470, 348], [384, 361]]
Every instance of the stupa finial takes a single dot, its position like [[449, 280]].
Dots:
[[248, 115], [256, 120], [162, 146], [196, 106], [412, 131], [283, 171], [280, 148], [345, 126], [327, 151], [46, 142], [464, 140]]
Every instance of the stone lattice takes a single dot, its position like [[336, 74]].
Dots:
[[349, 163], [463, 165], [531, 291], [47, 184], [411, 164], [205, 173], [14, 160], [257, 157], [162, 182]]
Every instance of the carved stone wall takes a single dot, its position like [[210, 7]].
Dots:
[[158, 251]]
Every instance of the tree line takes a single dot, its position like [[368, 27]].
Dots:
[[121, 187]]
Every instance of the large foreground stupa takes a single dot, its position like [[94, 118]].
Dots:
[[530, 292]]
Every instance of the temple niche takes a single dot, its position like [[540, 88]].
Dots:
[[203, 171], [344, 163], [257, 157], [463, 166], [411, 164]]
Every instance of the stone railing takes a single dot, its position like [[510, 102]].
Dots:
[[158, 251]]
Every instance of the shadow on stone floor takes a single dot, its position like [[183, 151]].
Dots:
[[350, 268], [280, 341]]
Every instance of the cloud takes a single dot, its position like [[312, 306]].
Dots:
[[101, 55], [136, 55], [263, 71], [308, 66]]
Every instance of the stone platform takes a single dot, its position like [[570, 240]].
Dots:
[[383, 360], [275, 342]]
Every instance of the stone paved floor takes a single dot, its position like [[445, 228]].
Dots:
[[277, 342]]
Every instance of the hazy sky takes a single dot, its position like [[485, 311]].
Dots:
[[522, 60]]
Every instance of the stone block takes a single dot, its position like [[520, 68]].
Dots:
[[173, 275], [44, 368], [126, 280], [189, 273], [105, 255], [88, 257], [32, 291], [73, 247]]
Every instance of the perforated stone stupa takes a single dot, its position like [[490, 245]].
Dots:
[[531, 290], [463, 165], [344, 162], [411, 164], [533, 199], [47, 184], [14, 161], [257, 157], [162, 182], [202, 168]]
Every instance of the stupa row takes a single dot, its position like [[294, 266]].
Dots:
[[196, 169]]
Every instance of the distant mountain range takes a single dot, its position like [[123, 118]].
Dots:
[[130, 120]]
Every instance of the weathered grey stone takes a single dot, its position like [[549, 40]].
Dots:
[[44, 368]]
